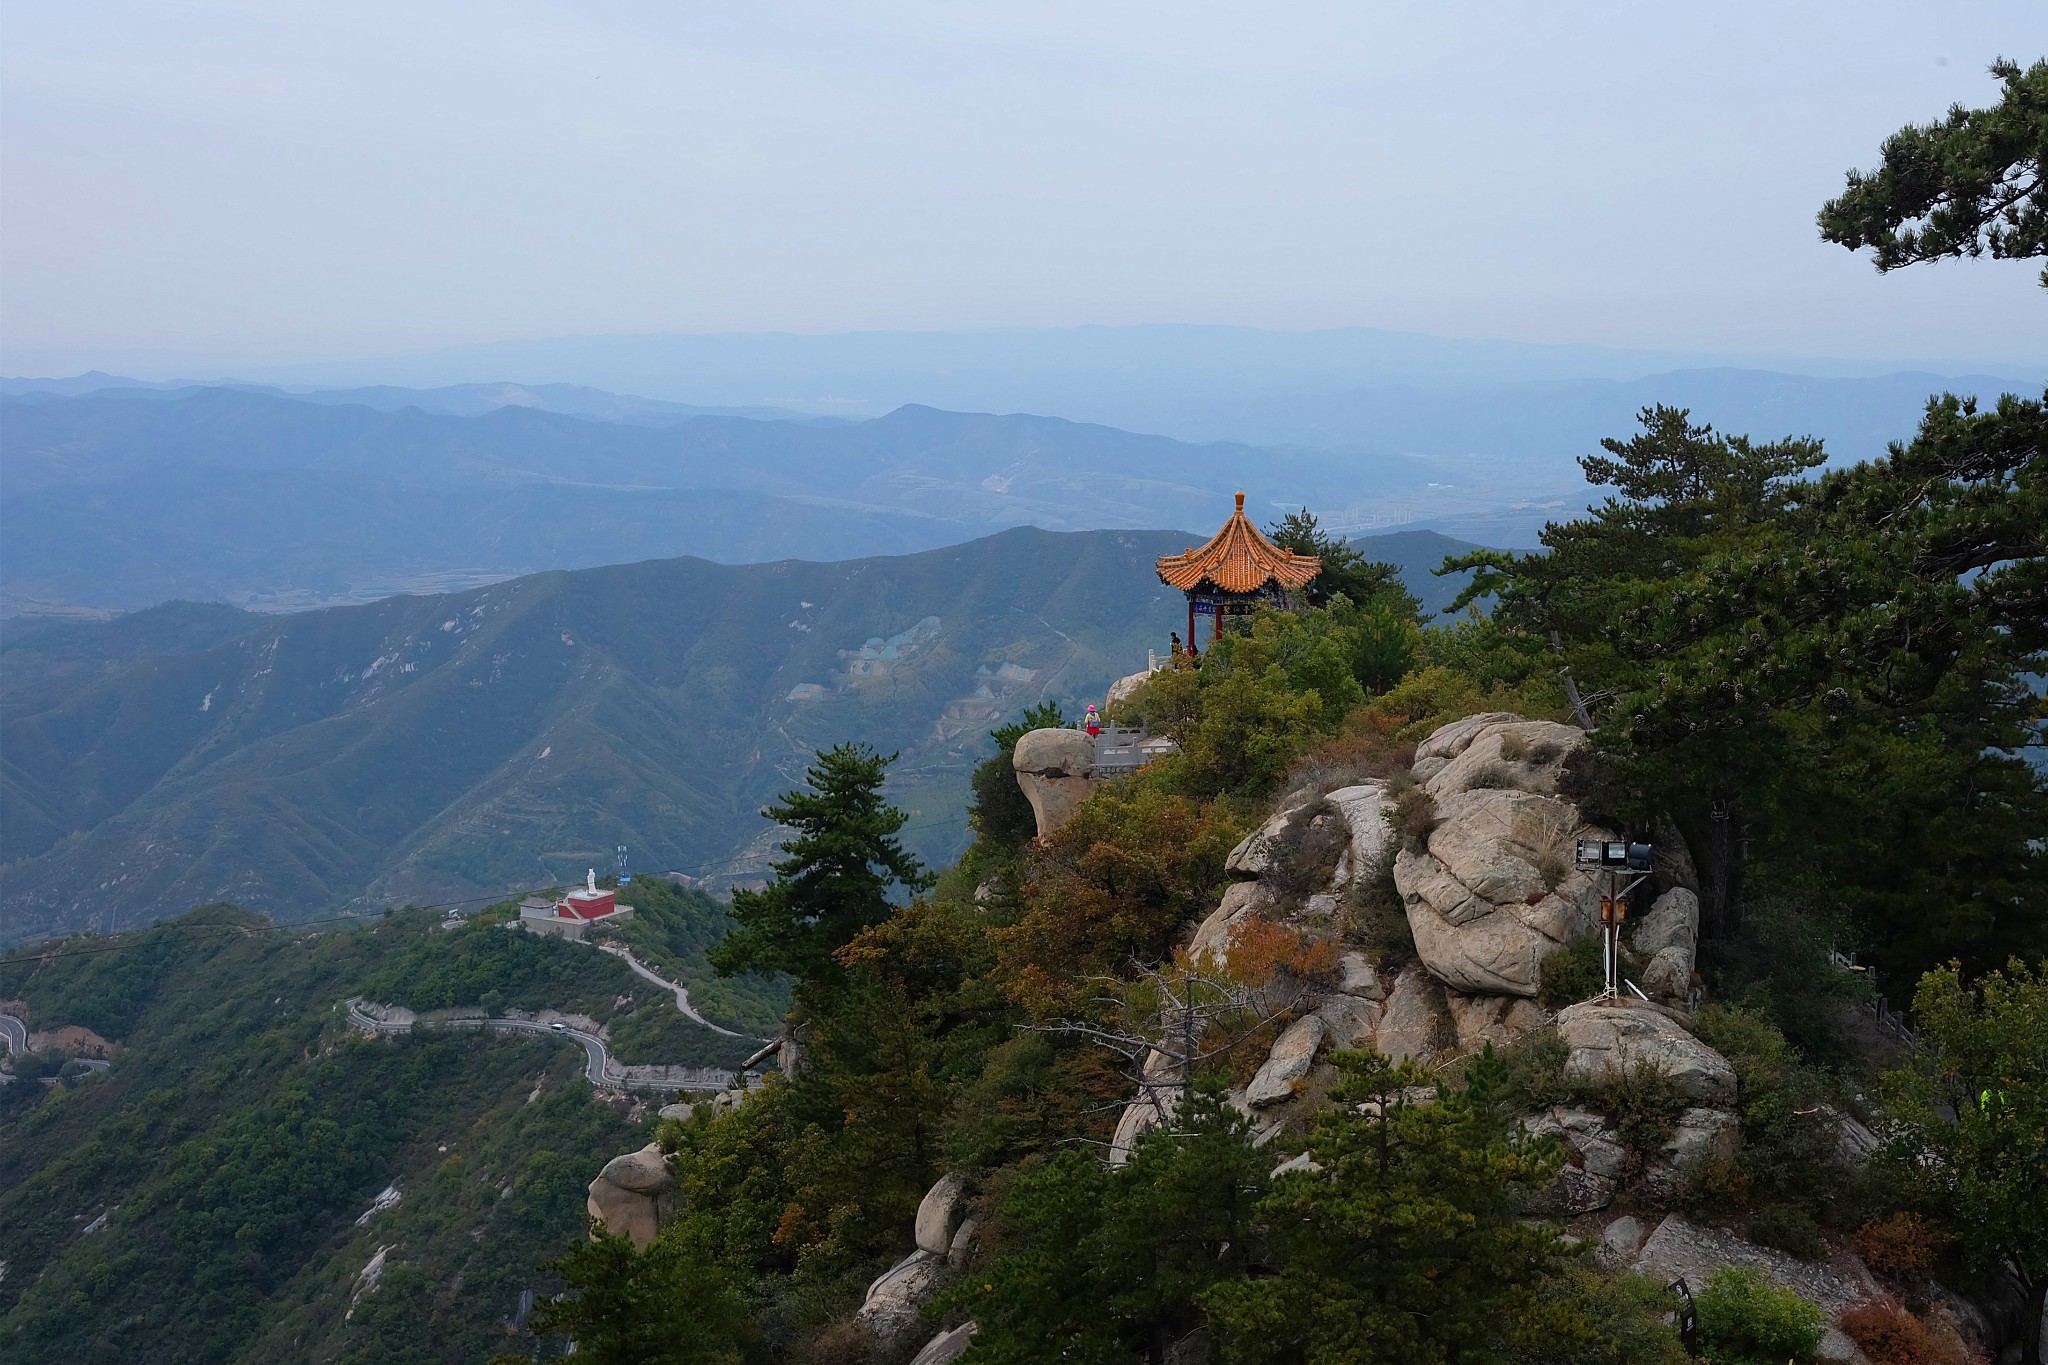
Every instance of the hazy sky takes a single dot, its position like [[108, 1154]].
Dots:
[[260, 180]]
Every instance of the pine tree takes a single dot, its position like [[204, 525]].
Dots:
[[1345, 570], [1976, 180], [1108, 1266], [1404, 1246], [835, 877], [672, 1304]]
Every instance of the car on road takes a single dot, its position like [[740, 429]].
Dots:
[[559, 1028]]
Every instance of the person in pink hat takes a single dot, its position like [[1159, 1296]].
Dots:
[[1093, 722]]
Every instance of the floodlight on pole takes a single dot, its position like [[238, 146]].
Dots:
[[1614, 858]]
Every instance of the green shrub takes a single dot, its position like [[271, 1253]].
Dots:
[[1414, 814], [1789, 1151], [1586, 1318], [1644, 1106], [1573, 973], [1535, 1072], [1743, 1321], [1789, 1229], [1379, 921], [1491, 777]]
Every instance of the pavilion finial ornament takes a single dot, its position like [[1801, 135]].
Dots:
[[1235, 571]]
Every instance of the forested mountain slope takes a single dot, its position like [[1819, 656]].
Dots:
[[209, 1197], [451, 746]]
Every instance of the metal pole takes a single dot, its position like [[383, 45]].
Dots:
[[1610, 932]]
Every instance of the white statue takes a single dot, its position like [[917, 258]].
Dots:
[[590, 881]]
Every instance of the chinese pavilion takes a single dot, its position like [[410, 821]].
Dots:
[[1234, 572]]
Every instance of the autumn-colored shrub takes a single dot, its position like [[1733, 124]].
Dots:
[[1900, 1250], [1117, 882], [1261, 951], [1364, 750], [1890, 1335]]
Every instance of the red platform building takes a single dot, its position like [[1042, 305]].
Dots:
[[569, 916]]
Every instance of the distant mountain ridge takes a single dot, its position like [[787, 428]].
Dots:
[[119, 501], [455, 400], [116, 495], [1072, 371]]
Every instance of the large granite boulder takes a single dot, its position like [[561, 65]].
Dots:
[[938, 1214], [1496, 1019], [633, 1194], [1608, 1039], [1596, 1160], [1241, 901], [1445, 743], [1417, 1018], [1126, 687], [1054, 767], [947, 1347], [1158, 1100], [1364, 807], [1668, 937], [1588, 1138], [890, 1311], [1293, 1052], [1525, 754], [1496, 890], [1256, 853]]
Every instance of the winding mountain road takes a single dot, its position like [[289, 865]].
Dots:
[[600, 1068], [682, 995], [15, 1032]]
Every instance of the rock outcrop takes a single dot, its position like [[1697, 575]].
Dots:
[[1527, 755], [947, 1347], [890, 1311], [939, 1213], [1447, 742], [1668, 938], [1126, 687], [1054, 768], [1416, 1018], [1289, 1061], [1608, 1038], [633, 1194], [1495, 891], [1596, 1162]]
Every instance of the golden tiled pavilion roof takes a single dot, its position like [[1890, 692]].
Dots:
[[1238, 559]]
